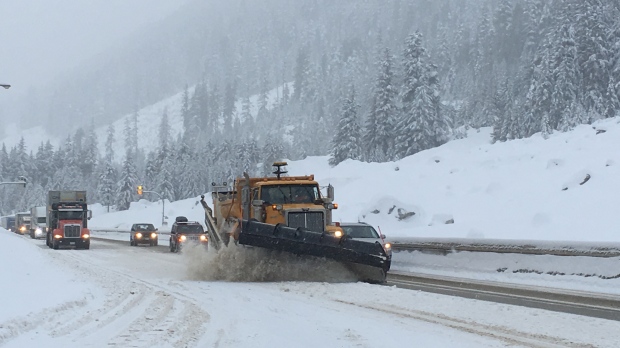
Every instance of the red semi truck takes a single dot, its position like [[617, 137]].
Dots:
[[67, 216]]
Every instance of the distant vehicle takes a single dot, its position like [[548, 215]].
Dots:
[[8, 222], [184, 231], [38, 224], [22, 222], [364, 231], [143, 234]]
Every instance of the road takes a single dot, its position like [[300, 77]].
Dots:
[[148, 297]]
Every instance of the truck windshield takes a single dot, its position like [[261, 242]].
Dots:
[[41, 220], [70, 215], [291, 193]]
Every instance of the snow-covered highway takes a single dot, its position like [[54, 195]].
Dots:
[[116, 295]]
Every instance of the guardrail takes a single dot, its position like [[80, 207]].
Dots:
[[447, 246], [558, 248]]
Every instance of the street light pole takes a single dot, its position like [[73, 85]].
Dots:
[[162, 205]]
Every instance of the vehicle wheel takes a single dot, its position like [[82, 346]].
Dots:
[[31, 234], [87, 245], [171, 248], [156, 242], [131, 243], [55, 246]]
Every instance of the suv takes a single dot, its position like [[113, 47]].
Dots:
[[143, 234], [365, 232], [184, 231]]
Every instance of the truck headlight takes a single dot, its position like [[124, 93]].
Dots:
[[138, 235], [38, 230], [23, 228], [338, 234], [85, 236], [57, 236]]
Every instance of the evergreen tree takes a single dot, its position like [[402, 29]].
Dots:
[[346, 144], [126, 192], [381, 123]]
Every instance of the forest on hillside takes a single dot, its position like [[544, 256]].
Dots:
[[372, 80]]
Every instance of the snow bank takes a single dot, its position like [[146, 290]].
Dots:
[[563, 188], [145, 211], [32, 281]]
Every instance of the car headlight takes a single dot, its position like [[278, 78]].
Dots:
[[203, 237], [182, 238], [153, 235], [338, 234], [138, 235], [387, 246]]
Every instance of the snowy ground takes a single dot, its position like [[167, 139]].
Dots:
[[523, 189], [117, 295]]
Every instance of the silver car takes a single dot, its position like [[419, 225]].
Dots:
[[364, 231]]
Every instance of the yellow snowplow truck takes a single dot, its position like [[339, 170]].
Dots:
[[288, 213]]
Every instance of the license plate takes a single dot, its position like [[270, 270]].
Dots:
[[71, 243]]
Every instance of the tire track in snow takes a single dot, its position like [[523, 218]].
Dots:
[[510, 336], [192, 316]]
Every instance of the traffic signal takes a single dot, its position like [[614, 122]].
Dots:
[[140, 190]]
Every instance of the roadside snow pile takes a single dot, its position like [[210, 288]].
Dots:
[[32, 282], [563, 188], [144, 211]]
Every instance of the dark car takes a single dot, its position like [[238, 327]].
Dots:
[[143, 234], [183, 232], [364, 231]]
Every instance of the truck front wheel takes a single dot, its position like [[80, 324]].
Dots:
[[55, 245]]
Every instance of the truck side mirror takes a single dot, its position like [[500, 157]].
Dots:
[[89, 214]]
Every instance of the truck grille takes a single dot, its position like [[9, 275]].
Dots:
[[311, 220], [72, 231]]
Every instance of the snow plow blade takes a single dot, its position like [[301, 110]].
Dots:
[[367, 260]]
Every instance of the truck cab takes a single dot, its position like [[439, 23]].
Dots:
[[68, 225], [22, 222]]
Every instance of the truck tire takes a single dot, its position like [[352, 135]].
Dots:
[[55, 246], [87, 245], [31, 234]]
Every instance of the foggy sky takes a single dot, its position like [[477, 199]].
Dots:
[[40, 39]]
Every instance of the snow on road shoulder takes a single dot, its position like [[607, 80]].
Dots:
[[33, 282]]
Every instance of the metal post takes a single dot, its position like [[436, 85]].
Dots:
[[163, 205]]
